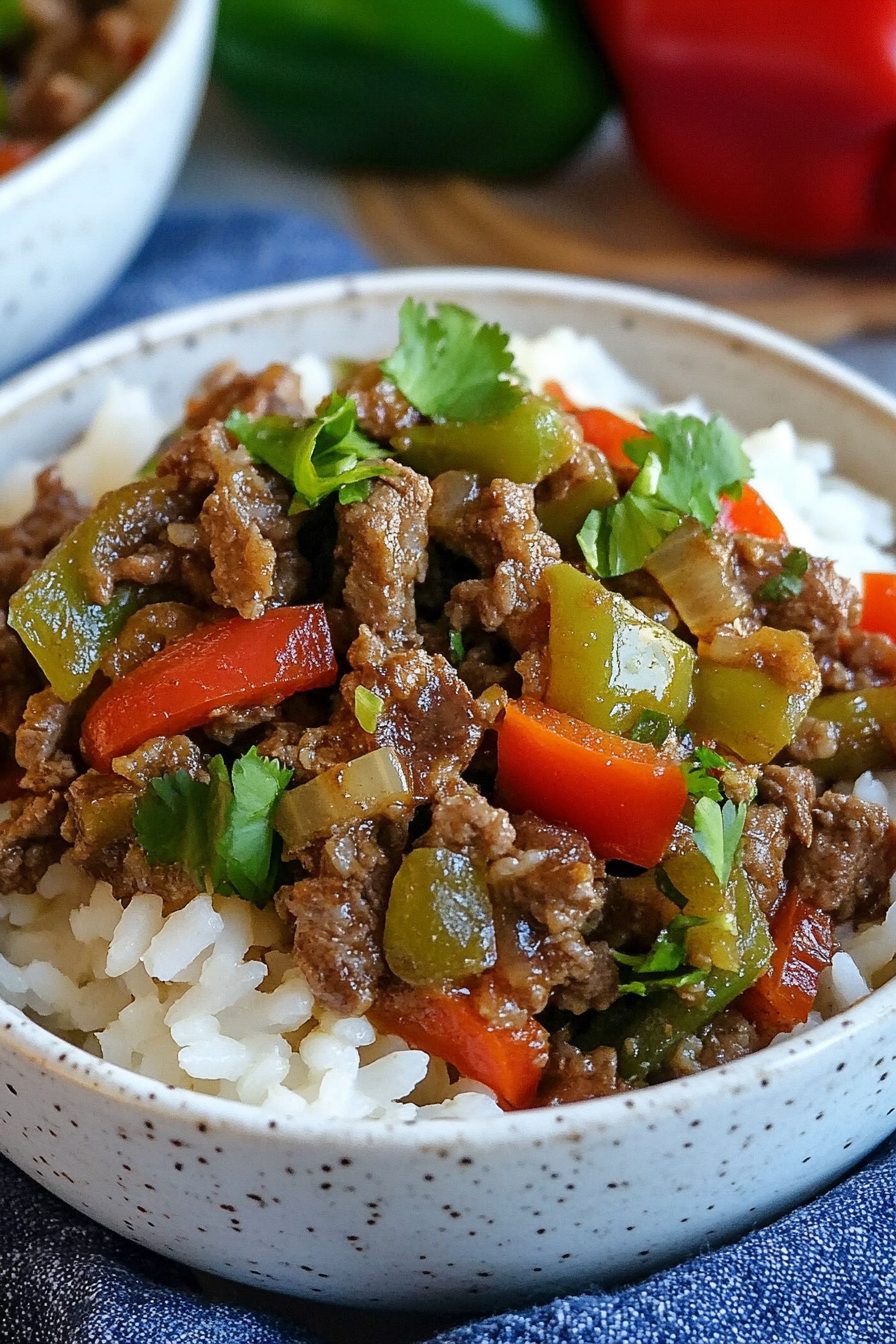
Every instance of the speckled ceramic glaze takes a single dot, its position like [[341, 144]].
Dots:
[[72, 218], [439, 1213]]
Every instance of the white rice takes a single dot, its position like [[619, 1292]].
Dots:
[[208, 998]]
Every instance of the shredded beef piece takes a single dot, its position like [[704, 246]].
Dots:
[[161, 756], [763, 854], [815, 740], [827, 606], [846, 870], [45, 741], [467, 824], [792, 788], [496, 527], [154, 563], [30, 840], [545, 894], [572, 1075], [486, 664], [227, 723], [19, 679], [383, 411], [25, 544], [148, 631], [382, 543], [275, 391], [143, 521], [339, 915], [864, 660], [128, 871], [281, 743], [727, 1037], [429, 718]]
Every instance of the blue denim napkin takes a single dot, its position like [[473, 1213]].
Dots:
[[825, 1274]]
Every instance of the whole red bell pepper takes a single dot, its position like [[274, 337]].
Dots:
[[774, 120]]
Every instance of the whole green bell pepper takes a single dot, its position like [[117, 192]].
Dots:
[[498, 87]]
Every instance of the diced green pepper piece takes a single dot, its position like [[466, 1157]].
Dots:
[[866, 727], [66, 632], [647, 1033], [439, 925], [563, 518], [527, 444], [752, 692], [608, 660]]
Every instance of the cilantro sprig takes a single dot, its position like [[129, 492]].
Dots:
[[686, 466], [718, 832], [325, 455], [452, 366], [220, 831], [652, 970], [700, 783], [789, 583]]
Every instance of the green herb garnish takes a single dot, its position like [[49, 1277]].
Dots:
[[651, 727], [452, 366], [668, 954], [789, 583], [326, 455], [368, 708], [668, 888], [718, 832], [686, 465], [701, 784], [220, 831], [456, 646]]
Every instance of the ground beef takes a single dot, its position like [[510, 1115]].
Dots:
[[338, 916], [19, 679], [55, 512], [148, 631], [100, 814], [496, 526], [30, 840], [382, 544], [467, 824], [383, 411], [763, 853], [46, 742], [275, 391], [161, 756], [727, 1037], [815, 740], [863, 660], [573, 1075], [826, 607], [228, 723], [846, 870], [281, 742], [792, 788], [429, 717]]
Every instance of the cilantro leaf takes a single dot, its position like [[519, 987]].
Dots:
[[789, 583], [220, 831], [700, 783], [644, 987], [651, 727], [668, 954], [452, 366], [325, 455], [686, 465], [718, 832]]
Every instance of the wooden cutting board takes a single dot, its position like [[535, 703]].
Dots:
[[602, 217]]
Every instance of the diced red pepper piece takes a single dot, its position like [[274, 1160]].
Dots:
[[604, 430], [509, 1060], [751, 514], [804, 944], [234, 662], [621, 795], [13, 153], [879, 604]]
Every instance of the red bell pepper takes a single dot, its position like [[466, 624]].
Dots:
[[751, 514], [13, 153], [774, 120], [621, 795], [879, 604], [604, 430], [234, 662], [509, 1060], [804, 944]]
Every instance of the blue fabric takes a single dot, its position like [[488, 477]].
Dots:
[[823, 1275]]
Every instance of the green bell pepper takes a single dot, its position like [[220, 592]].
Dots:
[[647, 1033], [562, 516], [525, 445], [866, 731], [497, 87], [64, 630], [608, 660], [439, 925]]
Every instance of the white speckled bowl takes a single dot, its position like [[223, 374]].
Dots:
[[456, 1214], [72, 218]]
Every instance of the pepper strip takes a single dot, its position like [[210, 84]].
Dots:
[[620, 794], [751, 514], [804, 945], [234, 662], [879, 604]]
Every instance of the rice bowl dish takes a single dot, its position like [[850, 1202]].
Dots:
[[230, 994]]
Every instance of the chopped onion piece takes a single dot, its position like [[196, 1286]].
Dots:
[[696, 573], [365, 787]]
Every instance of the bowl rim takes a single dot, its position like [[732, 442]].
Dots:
[[53, 1055], [90, 136]]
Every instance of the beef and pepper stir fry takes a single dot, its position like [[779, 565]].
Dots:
[[59, 59], [523, 716]]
